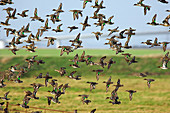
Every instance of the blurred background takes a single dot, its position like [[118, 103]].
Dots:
[[125, 15]]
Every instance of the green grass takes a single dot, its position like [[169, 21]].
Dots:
[[93, 52], [156, 99]]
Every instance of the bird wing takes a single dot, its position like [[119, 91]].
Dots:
[[48, 43], [46, 23], [60, 6], [154, 18], [78, 36], [86, 20], [35, 12], [6, 94], [13, 14], [23, 12]]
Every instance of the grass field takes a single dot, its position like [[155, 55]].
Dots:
[[156, 99], [94, 52]]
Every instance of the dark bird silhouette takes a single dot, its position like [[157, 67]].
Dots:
[[149, 82], [85, 24], [92, 85], [131, 93], [108, 83], [47, 77]]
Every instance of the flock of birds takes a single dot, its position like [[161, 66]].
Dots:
[[14, 73]]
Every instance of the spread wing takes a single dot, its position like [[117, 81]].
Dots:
[[154, 18]]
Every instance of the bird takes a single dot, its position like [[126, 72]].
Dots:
[[97, 34], [14, 68], [85, 2], [149, 82], [1, 104], [164, 64], [155, 43], [8, 9], [148, 42], [85, 24], [23, 14], [92, 85], [5, 23], [12, 44], [49, 99], [62, 71], [167, 10], [102, 63], [58, 28], [109, 22], [14, 50], [87, 101], [5, 96], [11, 16], [72, 28], [166, 21], [113, 30], [139, 3], [39, 76], [146, 7], [54, 17], [25, 102], [74, 77], [97, 5], [131, 93], [76, 13], [92, 111], [66, 49], [108, 83], [36, 86], [29, 39], [110, 63], [75, 65], [164, 44], [53, 82], [118, 85], [127, 55], [142, 75], [2, 82], [121, 34], [47, 77], [132, 61], [46, 25], [6, 110], [41, 31], [36, 37], [153, 21], [163, 1], [36, 17], [9, 30], [26, 30], [130, 32], [126, 46], [50, 40], [65, 86], [31, 48], [95, 15], [59, 10], [97, 73], [83, 97], [76, 40], [18, 79]]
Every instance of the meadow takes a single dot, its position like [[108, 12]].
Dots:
[[156, 99]]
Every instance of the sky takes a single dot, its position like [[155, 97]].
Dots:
[[125, 15]]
